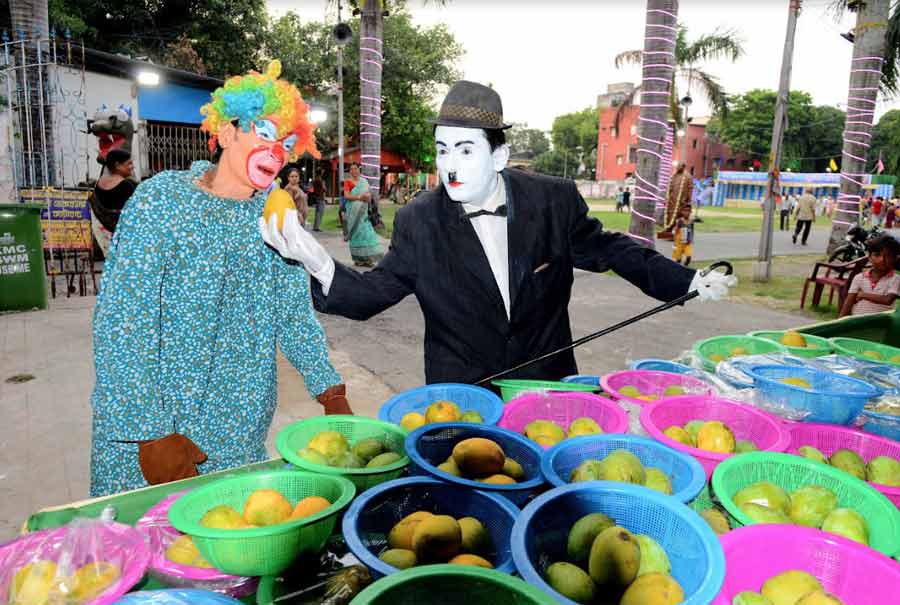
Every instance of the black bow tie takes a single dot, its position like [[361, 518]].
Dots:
[[500, 211]]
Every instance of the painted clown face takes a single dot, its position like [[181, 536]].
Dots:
[[256, 156], [467, 166]]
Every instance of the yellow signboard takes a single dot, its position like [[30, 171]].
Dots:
[[66, 218]]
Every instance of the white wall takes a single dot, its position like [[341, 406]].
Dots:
[[7, 178]]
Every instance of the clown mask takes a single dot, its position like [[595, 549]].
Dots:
[[255, 156], [467, 166]]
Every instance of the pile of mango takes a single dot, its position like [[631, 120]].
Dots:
[[712, 436], [625, 467], [735, 352], [423, 538], [331, 448], [262, 508], [809, 505], [440, 411], [609, 564], [44, 583], [635, 393], [793, 587], [881, 469], [484, 461], [547, 433], [183, 551]]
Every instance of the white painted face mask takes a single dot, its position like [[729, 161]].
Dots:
[[466, 165]]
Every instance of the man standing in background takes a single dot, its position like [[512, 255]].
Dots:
[[806, 215]]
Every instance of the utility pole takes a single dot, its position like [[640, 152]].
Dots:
[[762, 271]]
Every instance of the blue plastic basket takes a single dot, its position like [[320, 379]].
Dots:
[[540, 533], [661, 365], [466, 396], [583, 379], [885, 425], [832, 398], [371, 516], [432, 444], [687, 475]]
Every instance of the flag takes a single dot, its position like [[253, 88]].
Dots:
[[879, 167], [833, 165]]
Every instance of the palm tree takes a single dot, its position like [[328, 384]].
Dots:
[[874, 65]]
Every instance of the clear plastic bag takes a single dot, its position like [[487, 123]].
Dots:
[[177, 596], [86, 562]]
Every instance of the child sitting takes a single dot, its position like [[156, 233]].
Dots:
[[683, 237], [875, 290]]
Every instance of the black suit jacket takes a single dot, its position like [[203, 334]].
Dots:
[[436, 255]]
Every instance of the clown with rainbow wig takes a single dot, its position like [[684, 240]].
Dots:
[[193, 306]]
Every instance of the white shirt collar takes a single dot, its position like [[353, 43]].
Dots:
[[495, 201]]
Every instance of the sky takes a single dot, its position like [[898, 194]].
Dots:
[[547, 58]]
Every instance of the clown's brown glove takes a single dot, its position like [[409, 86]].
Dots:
[[334, 400]]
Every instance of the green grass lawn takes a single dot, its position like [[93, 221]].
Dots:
[[782, 292]]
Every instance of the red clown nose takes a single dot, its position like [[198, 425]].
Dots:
[[278, 151]]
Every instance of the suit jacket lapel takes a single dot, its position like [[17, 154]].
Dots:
[[521, 229]]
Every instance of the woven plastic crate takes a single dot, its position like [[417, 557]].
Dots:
[[660, 365], [372, 515], [563, 408], [512, 388], [687, 475], [450, 585], [855, 574], [816, 346], [263, 550], [588, 379], [855, 347], [540, 533], [294, 437], [828, 438], [832, 398], [791, 472], [746, 422], [725, 345], [883, 425], [432, 444], [652, 383], [466, 396]]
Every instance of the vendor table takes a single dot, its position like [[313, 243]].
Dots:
[[883, 328]]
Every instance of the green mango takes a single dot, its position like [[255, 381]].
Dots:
[[750, 598], [849, 462], [764, 493], [811, 504], [571, 582], [811, 453], [764, 514], [653, 557], [847, 523], [658, 480], [884, 470], [583, 534]]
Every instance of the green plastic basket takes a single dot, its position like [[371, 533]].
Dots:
[[855, 347], [510, 389], [451, 585], [294, 437], [791, 472], [268, 550], [724, 345], [816, 346]]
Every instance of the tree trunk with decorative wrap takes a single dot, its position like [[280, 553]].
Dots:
[[371, 59]]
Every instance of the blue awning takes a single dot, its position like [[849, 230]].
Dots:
[[172, 103]]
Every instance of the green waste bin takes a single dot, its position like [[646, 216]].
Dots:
[[23, 283]]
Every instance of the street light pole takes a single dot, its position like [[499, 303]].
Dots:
[[762, 271]]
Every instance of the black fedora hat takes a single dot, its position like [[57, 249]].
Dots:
[[471, 105]]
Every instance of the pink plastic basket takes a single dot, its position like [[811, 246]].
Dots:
[[562, 408], [764, 430], [109, 542], [159, 533], [828, 438], [652, 383], [852, 572]]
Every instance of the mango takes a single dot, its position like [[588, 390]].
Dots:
[[92, 580], [787, 588], [849, 462], [513, 469], [583, 534], [895, 359], [584, 426], [653, 589], [498, 479], [872, 355], [764, 514], [795, 381], [811, 504], [478, 457], [547, 429], [412, 420], [401, 535], [819, 597], [737, 351], [676, 433], [623, 466], [615, 557], [223, 517], [384, 459], [658, 480], [589, 470], [184, 552], [33, 583], [629, 391], [367, 449], [811, 453], [449, 467], [469, 559], [266, 507], [313, 456], [399, 558], [347, 460], [545, 442], [475, 538], [437, 539], [693, 428], [472, 416], [673, 390], [571, 582], [716, 358], [793, 339], [847, 523], [742, 446], [750, 598], [653, 557], [330, 444], [714, 436], [716, 520], [883, 470], [278, 202], [309, 506], [443, 411], [766, 494]]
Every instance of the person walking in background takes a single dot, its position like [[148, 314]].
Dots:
[[806, 215], [317, 199], [112, 190], [297, 193], [783, 208], [683, 237], [890, 214], [878, 211], [626, 199], [365, 247], [620, 199]]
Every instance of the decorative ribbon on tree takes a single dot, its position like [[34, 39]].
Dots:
[[371, 61], [665, 173]]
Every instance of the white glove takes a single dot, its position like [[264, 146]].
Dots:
[[712, 286], [295, 243]]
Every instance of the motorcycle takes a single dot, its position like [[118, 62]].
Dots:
[[855, 244]]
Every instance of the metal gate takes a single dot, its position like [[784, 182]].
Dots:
[[170, 146]]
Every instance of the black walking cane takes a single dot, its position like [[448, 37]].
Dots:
[[663, 307]]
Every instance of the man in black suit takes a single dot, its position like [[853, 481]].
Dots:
[[489, 255]]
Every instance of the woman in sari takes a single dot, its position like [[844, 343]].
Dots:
[[365, 247]]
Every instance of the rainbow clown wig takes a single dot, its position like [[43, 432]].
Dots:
[[257, 96]]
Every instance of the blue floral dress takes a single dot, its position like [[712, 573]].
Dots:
[[191, 308]]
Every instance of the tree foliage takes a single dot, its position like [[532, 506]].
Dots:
[[886, 142], [526, 142], [556, 163]]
